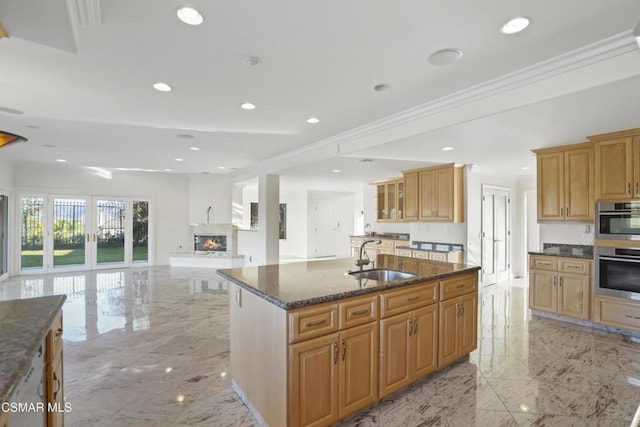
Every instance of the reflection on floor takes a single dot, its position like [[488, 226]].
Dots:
[[150, 347]]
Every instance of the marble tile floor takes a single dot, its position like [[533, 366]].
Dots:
[[150, 347]]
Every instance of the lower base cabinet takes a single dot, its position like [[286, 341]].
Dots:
[[408, 348], [334, 376], [617, 312], [458, 328]]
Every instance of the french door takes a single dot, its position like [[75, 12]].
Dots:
[[84, 232], [495, 234]]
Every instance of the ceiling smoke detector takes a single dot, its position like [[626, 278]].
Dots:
[[445, 56], [365, 161], [253, 61]]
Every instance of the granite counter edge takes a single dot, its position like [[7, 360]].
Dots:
[[356, 292], [559, 255], [29, 353]]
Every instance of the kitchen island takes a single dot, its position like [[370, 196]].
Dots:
[[312, 344]]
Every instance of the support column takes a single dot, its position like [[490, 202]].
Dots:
[[269, 218]]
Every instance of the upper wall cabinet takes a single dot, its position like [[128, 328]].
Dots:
[[440, 192], [617, 165], [390, 200], [411, 196], [565, 178]]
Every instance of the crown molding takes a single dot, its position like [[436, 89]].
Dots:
[[584, 56]]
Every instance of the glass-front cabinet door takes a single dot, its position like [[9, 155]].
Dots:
[[382, 212], [400, 208], [391, 201]]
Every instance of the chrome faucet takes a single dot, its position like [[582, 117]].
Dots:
[[361, 262], [370, 232]]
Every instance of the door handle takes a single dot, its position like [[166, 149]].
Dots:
[[562, 212], [629, 188]]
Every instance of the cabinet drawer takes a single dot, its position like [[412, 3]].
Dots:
[[438, 256], [403, 252], [544, 262], [358, 312], [395, 302], [386, 244], [456, 286], [312, 322], [617, 313], [54, 339], [421, 254], [576, 266]]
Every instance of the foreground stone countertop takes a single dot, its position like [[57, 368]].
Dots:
[[566, 251], [24, 323], [307, 283]]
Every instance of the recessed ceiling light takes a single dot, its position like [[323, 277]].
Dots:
[[526, 168], [60, 160], [184, 136], [445, 56], [515, 25], [167, 170], [248, 106], [381, 87], [313, 120], [222, 167], [10, 110], [447, 148], [336, 170], [162, 87], [190, 16], [194, 148], [179, 159]]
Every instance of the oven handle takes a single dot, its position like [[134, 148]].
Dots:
[[606, 258]]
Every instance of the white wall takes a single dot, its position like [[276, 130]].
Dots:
[[168, 194], [209, 190], [6, 175], [566, 232]]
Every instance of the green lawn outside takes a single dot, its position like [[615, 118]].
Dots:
[[33, 258]]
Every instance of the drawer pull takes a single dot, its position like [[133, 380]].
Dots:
[[544, 263], [460, 286], [358, 313], [413, 298], [575, 267], [59, 333], [316, 323], [631, 317]]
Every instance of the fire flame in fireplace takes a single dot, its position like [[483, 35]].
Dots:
[[211, 245]]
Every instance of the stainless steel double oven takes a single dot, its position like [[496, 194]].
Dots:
[[617, 263]]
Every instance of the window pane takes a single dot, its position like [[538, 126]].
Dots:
[[32, 214]]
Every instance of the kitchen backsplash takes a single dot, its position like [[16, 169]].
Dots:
[[567, 232]]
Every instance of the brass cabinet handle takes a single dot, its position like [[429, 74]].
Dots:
[[316, 323], [561, 281], [344, 349], [59, 333], [629, 187], [461, 309], [335, 353], [413, 298], [58, 386], [358, 313], [562, 212], [460, 286], [554, 280], [415, 325], [637, 191], [567, 211], [631, 317], [410, 327]]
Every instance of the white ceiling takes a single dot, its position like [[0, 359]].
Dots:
[[84, 82]]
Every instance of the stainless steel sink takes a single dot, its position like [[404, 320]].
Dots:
[[381, 275]]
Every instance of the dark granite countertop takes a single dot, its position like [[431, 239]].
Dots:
[[433, 247], [564, 250], [302, 284], [382, 235], [24, 323]]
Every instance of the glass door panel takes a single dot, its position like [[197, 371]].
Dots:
[[4, 234], [110, 231], [140, 232], [69, 225], [32, 232]]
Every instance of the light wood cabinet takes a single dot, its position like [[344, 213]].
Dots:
[[54, 374], [621, 313], [458, 324], [390, 200], [560, 285], [566, 182], [408, 347], [440, 190], [617, 157], [334, 375], [4, 419], [411, 196]]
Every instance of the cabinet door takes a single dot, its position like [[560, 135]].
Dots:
[[395, 360], [579, 184], [411, 196], [55, 395], [391, 194], [636, 166], [358, 368], [542, 290], [614, 164], [400, 202], [314, 381], [573, 295], [427, 185], [550, 176], [468, 323], [425, 340], [448, 343], [381, 201], [444, 195]]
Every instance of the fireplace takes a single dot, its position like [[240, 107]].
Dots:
[[209, 243]]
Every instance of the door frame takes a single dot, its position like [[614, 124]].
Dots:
[[492, 189]]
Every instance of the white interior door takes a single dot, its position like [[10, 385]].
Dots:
[[495, 234], [326, 228]]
